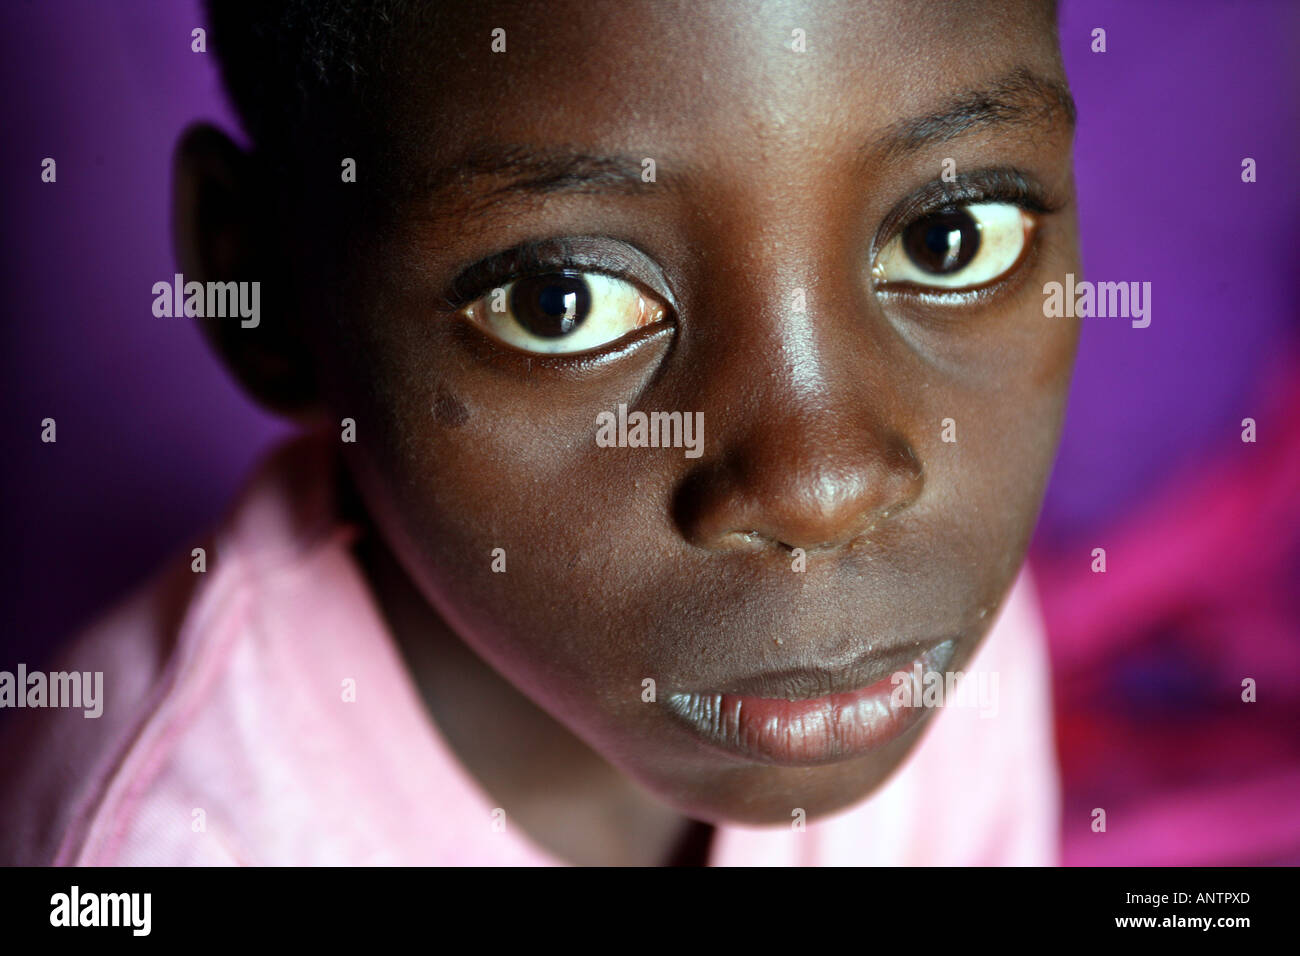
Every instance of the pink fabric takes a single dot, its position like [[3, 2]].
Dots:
[[1199, 594], [224, 695]]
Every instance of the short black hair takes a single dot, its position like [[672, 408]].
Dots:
[[286, 64]]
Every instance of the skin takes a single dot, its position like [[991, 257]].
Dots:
[[822, 428]]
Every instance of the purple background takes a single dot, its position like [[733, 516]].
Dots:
[[153, 438]]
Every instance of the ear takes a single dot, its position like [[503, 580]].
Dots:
[[225, 228]]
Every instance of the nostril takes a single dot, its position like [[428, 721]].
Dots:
[[745, 540], [762, 541], [759, 498]]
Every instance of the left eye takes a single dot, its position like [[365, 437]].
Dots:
[[956, 248], [565, 311]]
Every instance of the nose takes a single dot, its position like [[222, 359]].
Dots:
[[813, 478], [808, 401]]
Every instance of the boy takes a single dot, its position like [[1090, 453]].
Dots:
[[481, 612]]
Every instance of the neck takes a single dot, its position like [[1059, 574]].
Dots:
[[559, 791]]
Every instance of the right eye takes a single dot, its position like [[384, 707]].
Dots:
[[959, 248], [565, 312]]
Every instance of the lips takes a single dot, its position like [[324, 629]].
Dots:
[[808, 717]]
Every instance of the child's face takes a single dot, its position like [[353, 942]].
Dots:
[[738, 284]]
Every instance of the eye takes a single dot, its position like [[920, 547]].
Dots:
[[565, 311], [957, 248]]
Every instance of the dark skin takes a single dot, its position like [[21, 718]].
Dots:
[[776, 171]]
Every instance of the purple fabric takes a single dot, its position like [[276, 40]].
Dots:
[[1182, 94], [1200, 528], [153, 437]]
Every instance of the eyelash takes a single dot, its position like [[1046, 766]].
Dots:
[[534, 258], [991, 185], [1001, 184]]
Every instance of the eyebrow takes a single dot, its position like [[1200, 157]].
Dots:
[[536, 171], [1019, 99]]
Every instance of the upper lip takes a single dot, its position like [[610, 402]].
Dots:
[[810, 683]]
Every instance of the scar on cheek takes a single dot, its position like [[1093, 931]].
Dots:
[[448, 410]]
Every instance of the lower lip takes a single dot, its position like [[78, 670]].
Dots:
[[807, 732]]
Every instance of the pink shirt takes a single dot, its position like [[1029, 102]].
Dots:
[[225, 738]]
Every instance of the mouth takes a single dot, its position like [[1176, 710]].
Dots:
[[813, 716]]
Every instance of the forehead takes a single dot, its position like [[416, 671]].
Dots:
[[641, 73]]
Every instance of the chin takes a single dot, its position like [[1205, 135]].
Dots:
[[762, 795]]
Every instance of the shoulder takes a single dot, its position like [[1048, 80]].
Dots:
[[58, 760], [185, 664]]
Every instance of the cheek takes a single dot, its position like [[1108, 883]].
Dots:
[[448, 410], [987, 432], [525, 537], [996, 472]]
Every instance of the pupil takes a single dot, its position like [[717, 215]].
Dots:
[[942, 243], [550, 306]]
